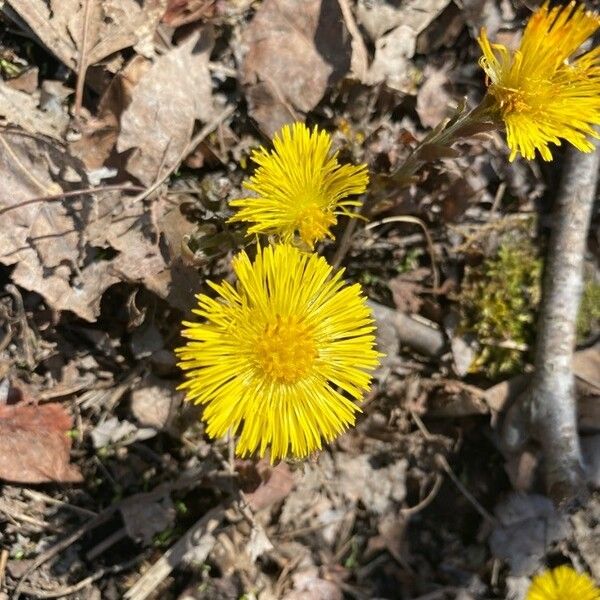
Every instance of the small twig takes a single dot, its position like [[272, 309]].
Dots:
[[40, 497], [421, 224], [198, 538], [343, 245], [197, 139], [360, 55], [80, 585], [3, 561], [82, 62], [73, 193], [425, 339], [413, 510], [103, 517], [443, 463]]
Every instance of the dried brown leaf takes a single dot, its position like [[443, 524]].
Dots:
[[57, 246], [274, 484], [144, 516], [174, 93], [292, 57], [154, 402], [181, 12], [21, 109], [394, 49], [34, 445], [112, 26], [99, 133], [380, 16]]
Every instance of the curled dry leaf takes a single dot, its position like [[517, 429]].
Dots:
[[57, 246], [99, 133], [34, 444], [272, 484], [169, 98], [111, 26], [292, 56]]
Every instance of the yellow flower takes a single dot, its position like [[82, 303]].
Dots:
[[562, 583], [541, 96], [300, 186], [274, 354]]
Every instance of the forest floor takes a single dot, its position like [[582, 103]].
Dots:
[[125, 129]]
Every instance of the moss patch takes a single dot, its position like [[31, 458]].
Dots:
[[498, 304]]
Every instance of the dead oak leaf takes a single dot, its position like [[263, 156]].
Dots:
[[111, 26], [58, 248], [34, 445], [292, 57], [174, 93]]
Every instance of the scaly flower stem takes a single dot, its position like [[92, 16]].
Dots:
[[438, 142], [549, 408]]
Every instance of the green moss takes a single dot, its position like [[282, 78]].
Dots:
[[498, 303], [588, 319]]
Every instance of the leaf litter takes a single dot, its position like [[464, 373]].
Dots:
[[111, 219]]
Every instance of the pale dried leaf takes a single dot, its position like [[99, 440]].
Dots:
[[528, 524], [309, 586], [174, 93], [21, 109], [277, 482], [380, 16], [292, 57], [356, 475], [394, 49], [112, 26], [154, 402], [34, 445], [392, 63], [259, 542]]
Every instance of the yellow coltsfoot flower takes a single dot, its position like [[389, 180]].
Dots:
[[540, 91], [562, 583], [300, 187], [275, 354]]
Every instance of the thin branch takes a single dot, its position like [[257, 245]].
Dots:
[[421, 224], [197, 139], [73, 193], [83, 60], [548, 409]]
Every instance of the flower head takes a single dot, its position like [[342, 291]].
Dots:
[[300, 186], [562, 583], [541, 95], [274, 354]]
